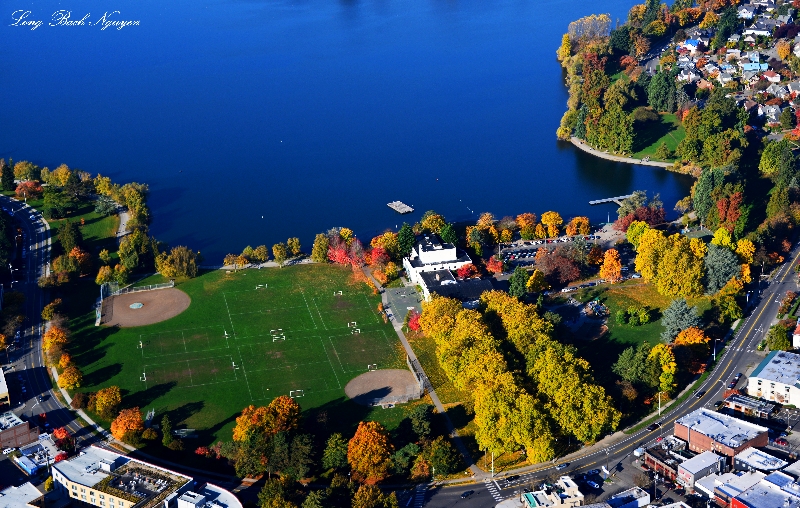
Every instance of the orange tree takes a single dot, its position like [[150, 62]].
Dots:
[[55, 336], [107, 401], [611, 270], [128, 422], [281, 415], [369, 453]]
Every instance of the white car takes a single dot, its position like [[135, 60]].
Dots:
[[7, 451]]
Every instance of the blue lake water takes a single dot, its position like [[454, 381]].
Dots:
[[253, 120]]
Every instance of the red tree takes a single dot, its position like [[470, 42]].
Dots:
[[413, 321], [378, 256], [466, 271], [337, 252], [29, 189], [494, 265]]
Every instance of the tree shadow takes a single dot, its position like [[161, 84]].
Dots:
[[184, 412], [649, 132], [102, 374], [146, 397]]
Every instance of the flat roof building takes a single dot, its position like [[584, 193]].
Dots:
[[35, 456], [564, 492], [19, 497], [750, 406], [697, 467], [431, 254], [664, 458], [5, 398], [631, 498], [723, 487], [775, 491], [754, 459], [705, 430], [777, 378], [14, 432]]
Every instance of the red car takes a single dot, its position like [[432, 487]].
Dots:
[[781, 442]]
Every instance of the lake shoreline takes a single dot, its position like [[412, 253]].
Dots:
[[628, 160]]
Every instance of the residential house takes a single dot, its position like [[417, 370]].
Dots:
[[749, 39], [705, 84], [762, 27], [750, 78], [778, 91], [771, 76], [772, 113], [689, 75], [796, 49], [794, 89], [733, 54], [785, 19], [746, 12], [768, 5], [724, 78], [705, 430], [430, 254]]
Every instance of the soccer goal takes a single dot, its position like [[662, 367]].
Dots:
[[277, 335], [352, 324], [372, 366], [143, 377], [296, 393], [337, 293], [355, 331]]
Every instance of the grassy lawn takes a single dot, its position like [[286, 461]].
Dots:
[[99, 232], [290, 338], [650, 136]]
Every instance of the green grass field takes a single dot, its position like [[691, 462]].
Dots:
[[246, 338], [650, 136]]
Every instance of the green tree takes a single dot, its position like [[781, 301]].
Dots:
[[315, 499], [771, 157], [273, 495], [319, 251], [442, 456], [405, 240], [404, 458], [448, 234], [778, 338], [294, 246], [787, 119], [616, 130], [663, 152], [6, 176], [300, 458], [335, 454], [280, 253], [721, 265], [678, 317], [166, 430], [518, 282], [632, 364], [57, 204], [421, 417], [661, 92], [69, 236]]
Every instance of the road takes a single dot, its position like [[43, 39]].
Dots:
[[739, 356]]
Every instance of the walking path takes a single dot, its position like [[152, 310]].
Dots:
[[398, 327], [123, 221], [628, 160]]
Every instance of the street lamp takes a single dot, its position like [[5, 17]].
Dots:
[[608, 450]]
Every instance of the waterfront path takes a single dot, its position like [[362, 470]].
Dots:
[[616, 158]]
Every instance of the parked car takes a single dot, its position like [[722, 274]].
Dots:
[[593, 472], [738, 376], [592, 484], [732, 384], [562, 466], [717, 404], [781, 442], [652, 427]]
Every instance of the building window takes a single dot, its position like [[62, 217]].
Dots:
[[83, 496], [74, 487], [102, 496], [102, 503]]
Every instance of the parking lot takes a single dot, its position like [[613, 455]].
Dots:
[[523, 252]]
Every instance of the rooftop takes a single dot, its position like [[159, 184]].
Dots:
[[19, 497], [217, 497], [626, 496], [3, 385], [766, 494], [751, 403], [729, 485], [723, 429], [40, 452], [464, 290], [8, 420], [759, 460], [432, 242], [780, 367], [701, 461]]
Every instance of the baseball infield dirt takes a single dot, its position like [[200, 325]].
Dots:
[[383, 387], [158, 305]]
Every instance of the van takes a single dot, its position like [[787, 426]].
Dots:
[[638, 452]]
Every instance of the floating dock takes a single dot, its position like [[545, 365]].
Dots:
[[617, 200], [400, 207]]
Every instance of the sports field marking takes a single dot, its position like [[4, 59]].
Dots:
[[233, 330], [201, 372], [354, 351], [188, 340], [309, 311], [319, 313], [339, 383]]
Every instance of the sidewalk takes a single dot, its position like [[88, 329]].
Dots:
[[616, 158]]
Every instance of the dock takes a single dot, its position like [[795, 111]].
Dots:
[[617, 200], [400, 207]]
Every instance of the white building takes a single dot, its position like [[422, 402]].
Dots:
[[726, 486], [699, 466], [5, 399], [565, 493], [431, 254], [631, 498], [776, 378], [754, 459], [19, 497]]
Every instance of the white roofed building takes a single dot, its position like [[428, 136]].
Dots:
[[776, 378], [704, 430]]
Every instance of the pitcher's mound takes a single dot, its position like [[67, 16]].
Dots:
[[390, 386], [156, 305]]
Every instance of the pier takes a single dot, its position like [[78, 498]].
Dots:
[[400, 207], [617, 200]]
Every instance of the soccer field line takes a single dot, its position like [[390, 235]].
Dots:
[[312, 391], [192, 384], [267, 310], [331, 363], [292, 365], [321, 319], [369, 306], [310, 314], [233, 330]]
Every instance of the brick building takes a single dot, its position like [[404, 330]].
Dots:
[[14, 432], [705, 430]]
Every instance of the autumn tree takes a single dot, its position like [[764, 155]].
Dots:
[[527, 225], [71, 378], [678, 317], [280, 253], [518, 282], [335, 454], [182, 262], [281, 415], [293, 245], [369, 452], [54, 337], [695, 340], [495, 265], [107, 401], [662, 353], [49, 310], [64, 360], [611, 270], [778, 338], [28, 189], [536, 282], [635, 231], [127, 423], [261, 254], [432, 221], [319, 251], [552, 220]]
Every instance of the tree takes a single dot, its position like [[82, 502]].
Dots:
[[661, 92], [28, 189], [405, 240], [107, 401], [612, 266], [694, 339], [79, 401], [57, 203], [294, 245], [166, 430], [335, 454], [632, 363], [678, 317], [48, 484], [280, 253], [181, 262], [771, 157], [721, 266], [495, 265], [69, 235], [783, 49], [787, 119], [128, 421], [527, 225], [662, 353], [319, 251], [518, 282], [369, 452], [778, 338], [442, 456], [635, 231], [448, 234], [54, 337], [370, 496], [273, 495], [552, 220], [421, 417], [6, 176], [261, 253], [536, 282]]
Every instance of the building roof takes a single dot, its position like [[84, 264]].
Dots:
[[218, 497], [700, 462], [780, 367], [751, 403], [85, 468], [768, 494], [19, 497], [723, 429], [3, 384], [729, 485], [793, 469], [8, 420], [762, 461], [465, 290], [431, 242], [627, 496]]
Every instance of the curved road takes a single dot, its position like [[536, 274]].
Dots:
[[739, 356]]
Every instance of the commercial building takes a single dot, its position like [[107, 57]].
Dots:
[[631, 498], [37, 455], [753, 459], [697, 467], [705, 430], [665, 457], [777, 378], [564, 492], [14, 432], [103, 478], [722, 488], [19, 497], [777, 490], [5, 398], [750, 406]]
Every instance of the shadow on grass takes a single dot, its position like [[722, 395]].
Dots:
[[340, 415], [148, 396], [102, 374], [186, 411], [649, 132]]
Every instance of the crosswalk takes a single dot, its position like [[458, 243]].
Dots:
[[419, 496], [491, 486]]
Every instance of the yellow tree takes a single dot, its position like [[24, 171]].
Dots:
[[611, 270], [536, 282], [695, 340], [784, 49], [710, 20], [745, 250], [699, 248], [439, 316], [652, 244], [433, 222], [723, 238], [64, 361], [666, 359], [128, 420], [578, 226], [540, 232], [369, 453], [107, 400], [71, 378], [526, 221], [552, 220], [54, 337], [679, 271], [565, 50], [485, 221], [388, 242]]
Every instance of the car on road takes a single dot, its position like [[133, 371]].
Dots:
[[467, 494], [738, 376], [781, 442], [7, 451], [700, 394], [593, 472], [511, 478], [732, 384], [592, 484], [717, 404], [562, 466], [40, 398], [653, 426]]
